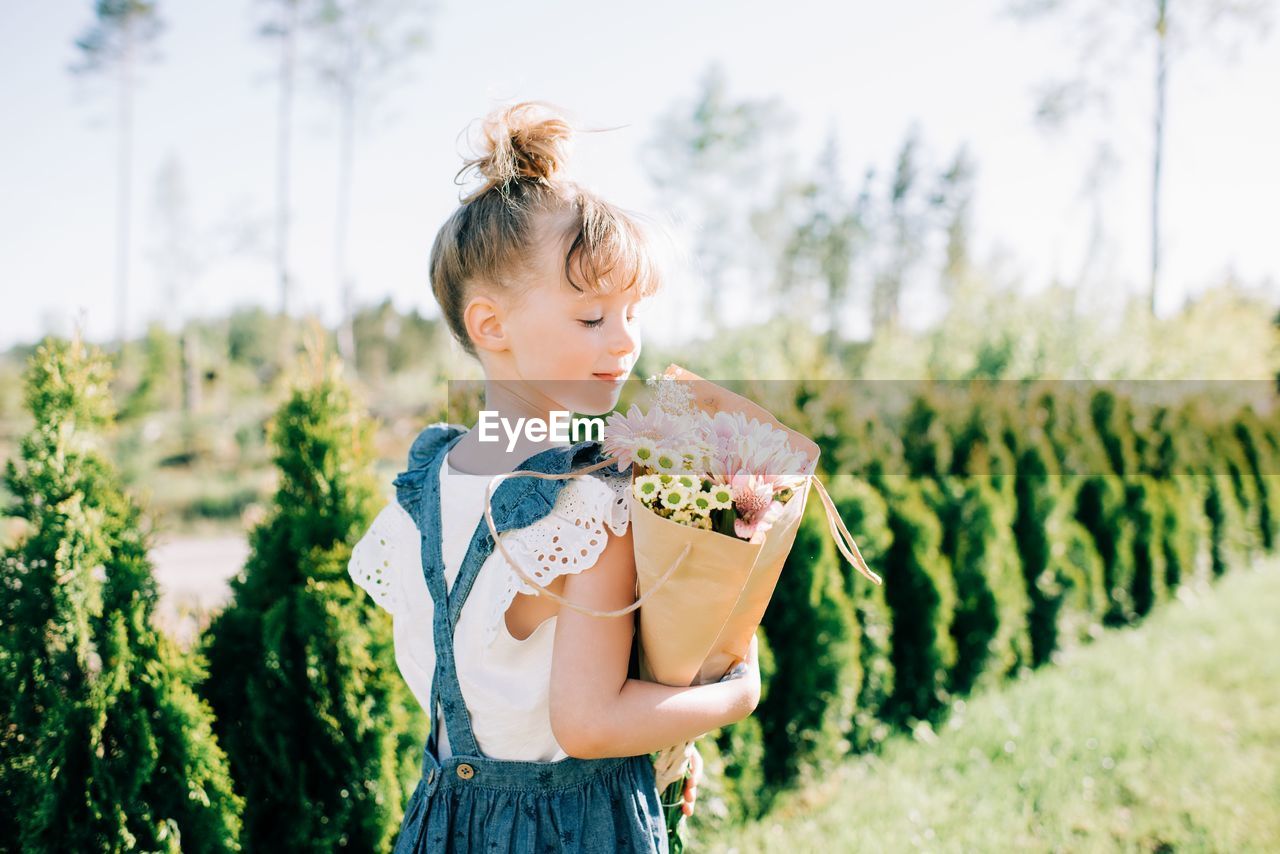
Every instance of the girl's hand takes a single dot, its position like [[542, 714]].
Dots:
[[691, 781]]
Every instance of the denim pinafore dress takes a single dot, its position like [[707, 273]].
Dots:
[[472, 802]]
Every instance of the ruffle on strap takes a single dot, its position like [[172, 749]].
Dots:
[[409, 483], [565, 541], [521, 501]]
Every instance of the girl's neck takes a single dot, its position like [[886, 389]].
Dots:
[[471, 456], [508, 406]]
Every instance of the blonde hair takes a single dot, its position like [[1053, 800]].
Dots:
[[491, 240]]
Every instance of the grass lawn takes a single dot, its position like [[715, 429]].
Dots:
[[1164, 737]]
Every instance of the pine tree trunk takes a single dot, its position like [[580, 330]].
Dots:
[[346, 164], [284, 162], [124, 163], [284, 124], [1162, 28]]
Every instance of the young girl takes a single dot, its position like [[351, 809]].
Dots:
[[539, 738]]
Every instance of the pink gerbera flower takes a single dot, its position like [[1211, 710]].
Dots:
[[746, 445], [637, 436]]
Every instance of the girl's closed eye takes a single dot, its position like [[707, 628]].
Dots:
[[591, 324]]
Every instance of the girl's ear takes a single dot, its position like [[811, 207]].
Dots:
[[483, 319]]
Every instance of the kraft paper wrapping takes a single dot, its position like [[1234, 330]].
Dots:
[[698, 624], [731, 644], [682, 621], [739, 577]]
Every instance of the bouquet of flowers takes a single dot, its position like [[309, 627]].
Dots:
[[720, 487], [720, 480]]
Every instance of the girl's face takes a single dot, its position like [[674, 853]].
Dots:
[[565, 348]]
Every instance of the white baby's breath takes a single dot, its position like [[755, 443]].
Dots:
[[671, 396]]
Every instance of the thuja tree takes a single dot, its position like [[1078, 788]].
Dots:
[[1261, 464], [870, 449], [105, 746], [734, 784], [1227, 503], [1101, 504], [1035, 505], [1172, 457], [1067, 584], [807, 714], [865, 513], [920, 592], [1073, 583], [1147, 495], [925, 438], [1248, 490], [978, 442], [323, 736], [990, 623]]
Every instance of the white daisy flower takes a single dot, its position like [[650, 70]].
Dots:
[[666, 460], [647, 488], [721, 496], [675, 497]]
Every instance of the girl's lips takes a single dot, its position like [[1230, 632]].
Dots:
[[611, 378]]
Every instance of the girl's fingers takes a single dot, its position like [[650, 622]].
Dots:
[[691, 782]]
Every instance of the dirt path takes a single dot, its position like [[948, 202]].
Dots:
[[194, 574]]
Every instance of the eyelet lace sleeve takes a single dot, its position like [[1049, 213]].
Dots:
[[566, 541], [378, 556]]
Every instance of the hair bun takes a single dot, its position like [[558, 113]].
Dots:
[[526, 141]]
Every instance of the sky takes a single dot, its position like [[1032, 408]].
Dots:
[[963, 72]]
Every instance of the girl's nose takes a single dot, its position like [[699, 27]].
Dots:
[[625, 339]]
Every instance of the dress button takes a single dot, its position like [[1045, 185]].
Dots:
[[465, 771]]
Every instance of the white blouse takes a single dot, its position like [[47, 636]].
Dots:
[[505, 682]]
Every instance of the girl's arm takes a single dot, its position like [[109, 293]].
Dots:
[[596, 710]]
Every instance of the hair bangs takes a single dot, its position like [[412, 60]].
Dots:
[[611, 252]]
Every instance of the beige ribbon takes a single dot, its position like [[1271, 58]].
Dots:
[[840, 533]]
